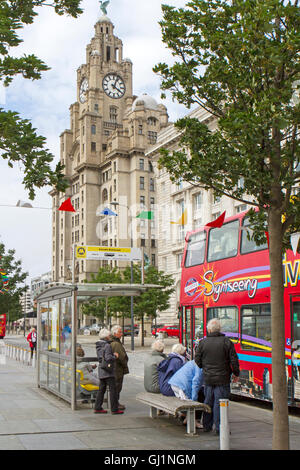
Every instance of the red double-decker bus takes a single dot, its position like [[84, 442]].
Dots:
[[225, 275], [2, 325]]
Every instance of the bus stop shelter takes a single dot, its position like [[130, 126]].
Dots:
[[57, 307]]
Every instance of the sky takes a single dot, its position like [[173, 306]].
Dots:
[[61, 43]]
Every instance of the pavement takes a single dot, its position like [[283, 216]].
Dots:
[[34, 419]]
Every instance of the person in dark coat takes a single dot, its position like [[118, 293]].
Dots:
[[168, 367], [217, 358], [122, 361], [106, 372]]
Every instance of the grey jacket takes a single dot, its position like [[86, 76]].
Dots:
[[151, 373], [104, 347]]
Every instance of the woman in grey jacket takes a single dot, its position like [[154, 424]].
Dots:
[[106, 372], [151, 383]]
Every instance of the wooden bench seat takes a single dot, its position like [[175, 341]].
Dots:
[[172, 406]]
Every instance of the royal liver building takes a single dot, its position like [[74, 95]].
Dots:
[[104, 156]]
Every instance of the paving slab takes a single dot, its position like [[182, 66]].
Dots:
[[34, 419]]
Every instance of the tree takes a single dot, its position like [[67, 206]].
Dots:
[[148, 303], [104, 308], [239, 60], [19, 142], [12, 285]]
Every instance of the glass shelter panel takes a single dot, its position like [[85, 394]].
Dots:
[[66, 326], [55, 365]]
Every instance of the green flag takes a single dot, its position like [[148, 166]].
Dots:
[[146, 215]]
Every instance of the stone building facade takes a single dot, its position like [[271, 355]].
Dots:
[[181, 208], [105, 161]]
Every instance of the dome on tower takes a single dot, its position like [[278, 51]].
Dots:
[[146, 100], [104, 19]]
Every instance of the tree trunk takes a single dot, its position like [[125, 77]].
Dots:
[[279, 379]]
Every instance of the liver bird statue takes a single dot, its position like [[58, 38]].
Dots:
[[103, 6]]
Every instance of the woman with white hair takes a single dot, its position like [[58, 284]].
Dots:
[[151, 383], [167, 368], [106, 371]]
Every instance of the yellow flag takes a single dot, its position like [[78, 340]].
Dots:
[[182, 219]]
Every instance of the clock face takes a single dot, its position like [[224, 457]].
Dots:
[[84, 86], [113, 85]]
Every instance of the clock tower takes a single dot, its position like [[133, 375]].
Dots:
[[104, 157]]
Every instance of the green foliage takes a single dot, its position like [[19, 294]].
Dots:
[[10, 300], [240, 62], [19, 142], [148, 303]]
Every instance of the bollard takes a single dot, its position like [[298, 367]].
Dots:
[[224, 424], [33, 360]]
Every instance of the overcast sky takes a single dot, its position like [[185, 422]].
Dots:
[[61, 42]]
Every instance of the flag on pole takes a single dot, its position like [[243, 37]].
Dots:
[[268, 239], [294, 241], [67, 206], [218, 222], [23, 204], [149, 215], [107, 211], [182, 219]]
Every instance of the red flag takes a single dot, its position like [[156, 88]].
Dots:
[[218, 222], [67, 206], [268, 240]]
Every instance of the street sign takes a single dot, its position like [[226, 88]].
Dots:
[[108, 253]]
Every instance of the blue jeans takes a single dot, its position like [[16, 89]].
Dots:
[[213, 393]]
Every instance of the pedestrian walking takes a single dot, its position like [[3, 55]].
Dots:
[[121, 365], [217, 358], [106, 372], [32, 339]]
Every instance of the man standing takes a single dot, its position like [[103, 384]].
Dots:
[[217, 358], [122, 360]]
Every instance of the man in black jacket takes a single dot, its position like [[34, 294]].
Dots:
[[217, 358]]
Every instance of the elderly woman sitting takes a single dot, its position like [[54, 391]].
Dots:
[[167, 368], [151, 383]]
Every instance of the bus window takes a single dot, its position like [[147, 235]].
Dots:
[[198, 316], [256, 327], [249, 246], [228, 317], [195, 250], [223, 242]]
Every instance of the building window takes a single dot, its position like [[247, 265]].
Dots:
[[142, 182], [151, 184], [152, 137], [96, 108], [152, 121], [93, 146], [142, 166], [105, 195], [93, 129], [140, 131], [142, 202], [113, 113], [153, 259]]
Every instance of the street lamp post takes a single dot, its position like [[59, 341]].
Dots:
[[131, 275]]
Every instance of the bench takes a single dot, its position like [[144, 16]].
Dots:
[[172, 406]]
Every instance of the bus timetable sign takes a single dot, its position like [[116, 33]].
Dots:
[[106, 253]]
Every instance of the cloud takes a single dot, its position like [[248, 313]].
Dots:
[[61, 43]]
